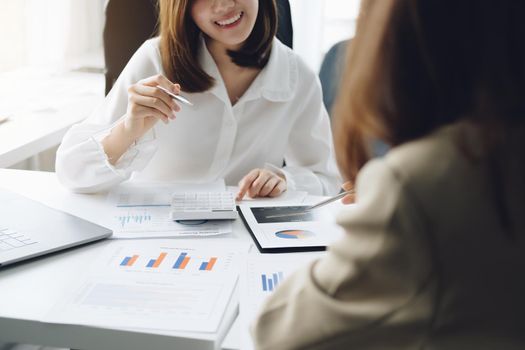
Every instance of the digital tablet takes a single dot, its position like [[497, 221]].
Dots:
[[285, 229]]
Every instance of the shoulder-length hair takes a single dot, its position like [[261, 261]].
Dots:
[[416, 65], [179, 43]]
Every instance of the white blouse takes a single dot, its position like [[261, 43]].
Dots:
[[280, 117]]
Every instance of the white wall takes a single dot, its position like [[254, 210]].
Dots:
[[12, 32]]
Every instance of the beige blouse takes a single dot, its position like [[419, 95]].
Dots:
[[426, 262]]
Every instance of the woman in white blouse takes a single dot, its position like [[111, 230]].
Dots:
[[255, 105]]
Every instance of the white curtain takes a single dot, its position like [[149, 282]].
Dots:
[[318, 24], [308, 23], [50, 32], [64, 31]]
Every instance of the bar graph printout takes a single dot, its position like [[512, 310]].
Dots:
[[179, 285], [141, 210], [260, 276]]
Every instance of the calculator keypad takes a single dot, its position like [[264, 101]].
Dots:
[[202, 202]]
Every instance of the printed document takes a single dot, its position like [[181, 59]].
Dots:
[[178, 285], [142, 211], [260, 276]]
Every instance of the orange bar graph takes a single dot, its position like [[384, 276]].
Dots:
[[132, 260], [159, 259], [210, 264], [184, 262]]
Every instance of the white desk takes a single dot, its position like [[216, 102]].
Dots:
[[41, 108], [28, 290]]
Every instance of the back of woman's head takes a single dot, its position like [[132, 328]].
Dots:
[[416, 65]]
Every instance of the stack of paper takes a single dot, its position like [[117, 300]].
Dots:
[[176, 285]]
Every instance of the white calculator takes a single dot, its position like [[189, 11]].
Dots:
[[203, 206]]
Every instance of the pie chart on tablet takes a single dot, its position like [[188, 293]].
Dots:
[[294, 234]]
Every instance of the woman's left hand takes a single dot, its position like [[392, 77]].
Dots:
[[349, 198], [261, 183]]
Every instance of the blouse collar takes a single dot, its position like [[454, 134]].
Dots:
[[276, 82]]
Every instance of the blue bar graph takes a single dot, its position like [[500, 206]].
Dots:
[[151, 263], [203, 265], [264, 285], [137, 219], [179, 261], [125, 261], [271, 281]]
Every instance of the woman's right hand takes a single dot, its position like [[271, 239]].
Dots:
[[147, 104]]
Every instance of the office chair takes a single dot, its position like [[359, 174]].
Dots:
[[128, 24], [131, 22], [330, 75], [284, 23], [331, 72]]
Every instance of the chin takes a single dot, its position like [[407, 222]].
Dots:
[[230, 41], [234, 43]]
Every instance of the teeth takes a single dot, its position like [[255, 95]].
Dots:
[[230, 20]]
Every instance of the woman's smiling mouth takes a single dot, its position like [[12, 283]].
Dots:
[[230, 22]]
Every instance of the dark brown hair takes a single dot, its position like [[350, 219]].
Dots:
[[416, 65], [179, 43]]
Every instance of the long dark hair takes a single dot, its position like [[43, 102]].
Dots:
[[179, 43], [417, 65]]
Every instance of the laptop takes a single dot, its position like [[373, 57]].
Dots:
[[29, 229]]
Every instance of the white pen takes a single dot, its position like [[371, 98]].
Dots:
[[312, 207], [177, 97], [329, 200]]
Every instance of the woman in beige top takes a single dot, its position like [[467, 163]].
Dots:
[[434, 256]]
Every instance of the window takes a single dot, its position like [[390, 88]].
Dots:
[[58, 33], [320, 24]]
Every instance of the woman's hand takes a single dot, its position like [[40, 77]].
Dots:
[[261, 183], [349, 198], [147, 104]]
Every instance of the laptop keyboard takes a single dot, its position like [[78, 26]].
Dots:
[[11, 239]]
